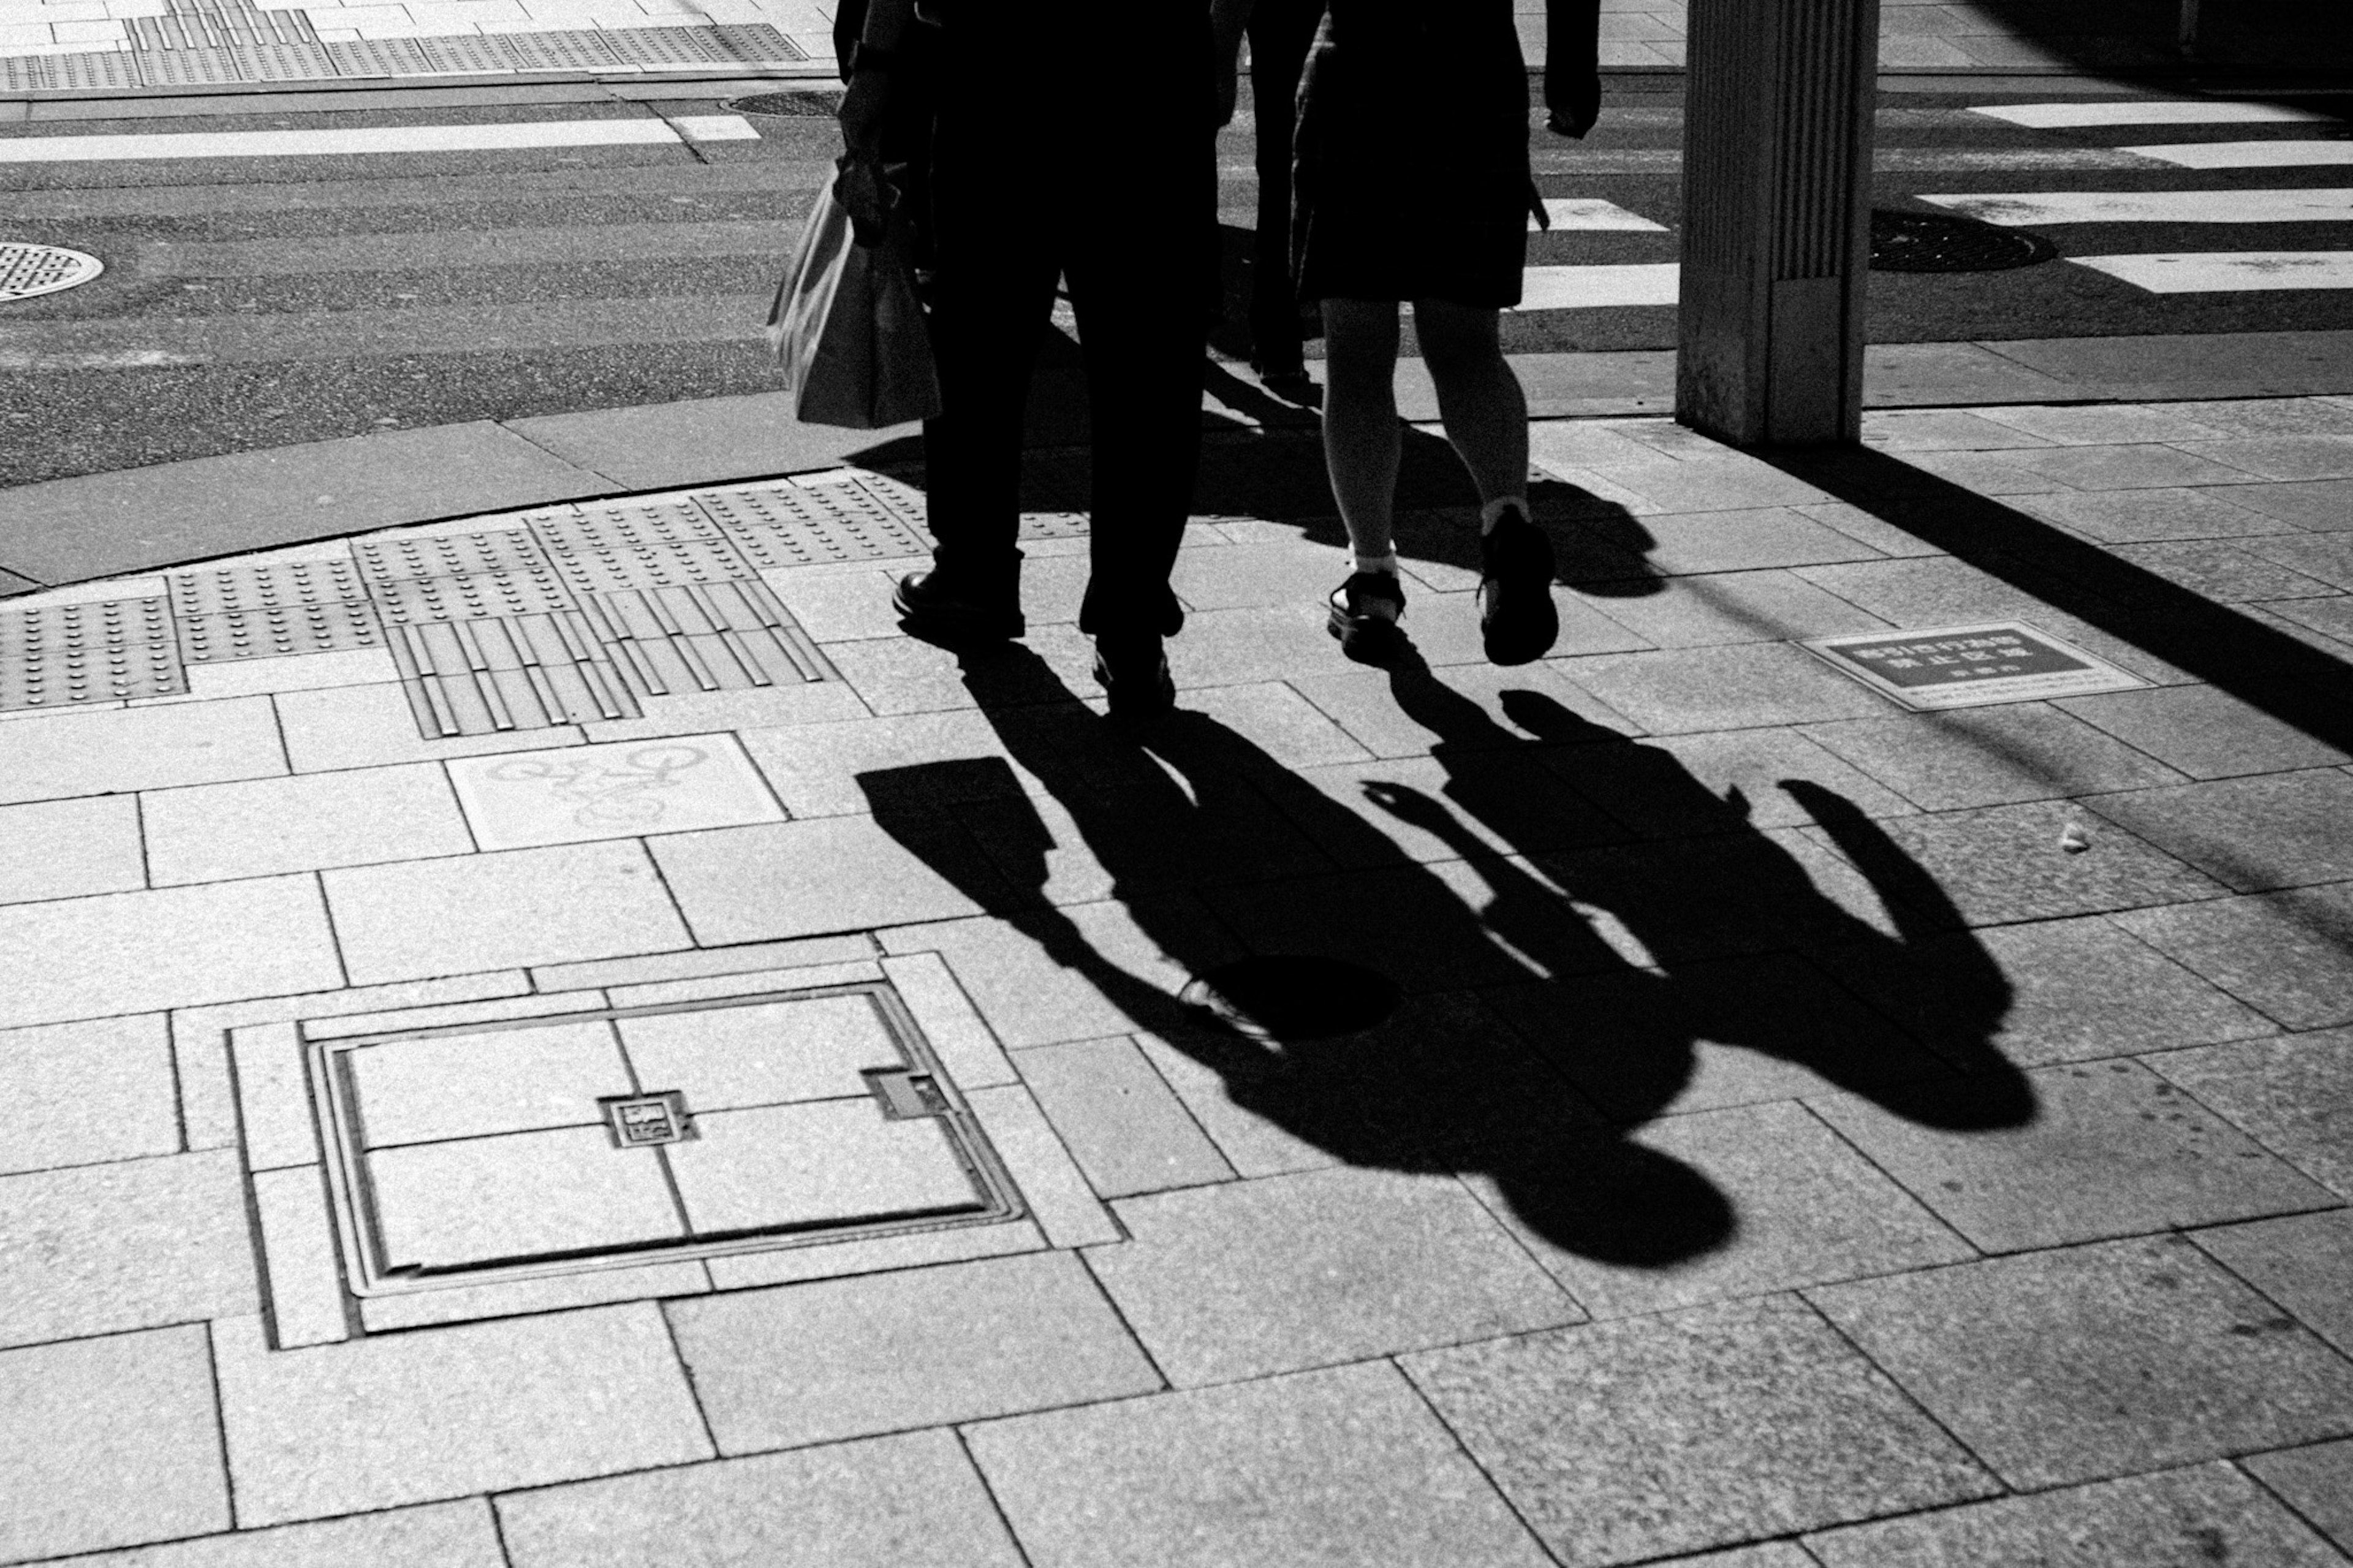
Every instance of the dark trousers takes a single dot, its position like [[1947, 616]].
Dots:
[[1125, 210], [1281, 32]]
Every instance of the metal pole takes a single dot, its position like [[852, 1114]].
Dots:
[[1777, 218]]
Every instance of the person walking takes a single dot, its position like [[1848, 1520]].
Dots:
[[1280, 33], [1412, 185], [1075, 140]]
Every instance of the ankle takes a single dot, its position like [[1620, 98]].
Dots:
[[1501, 507], [1385, 562]]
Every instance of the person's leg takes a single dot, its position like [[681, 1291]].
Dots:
[[1279, 34], [1362, 444], [1479, 397]]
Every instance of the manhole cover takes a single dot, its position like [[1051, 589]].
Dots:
[[29, 269], [1280, 997], [1933, 242], [801, 105]]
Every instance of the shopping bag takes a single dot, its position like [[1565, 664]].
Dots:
[[847, 326]]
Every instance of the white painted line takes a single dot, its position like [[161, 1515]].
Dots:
[[715, 127], [2228, 271], [2007, 160], [2150, 111], [2248, 155], [1585, 288], [2021, 208], [1592, 214], [496, 138]]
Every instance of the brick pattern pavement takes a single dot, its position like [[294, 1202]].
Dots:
[[1786, 1146]]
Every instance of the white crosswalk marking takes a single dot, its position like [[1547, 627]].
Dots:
[[2149, 112], [2018, 209], [346, 140], [715, 128], [2227, 272], [2248, 155], [1592, 214], [1585, 288]]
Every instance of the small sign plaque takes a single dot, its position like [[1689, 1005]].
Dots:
[[641, 1120], [1970, 666]]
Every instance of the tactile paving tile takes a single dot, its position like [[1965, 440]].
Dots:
[[781, 526], [378, 56], [96, 68], [57, 630], [468, 53], [384, 559], [716, 637], [622, 525], [271, 60], [476, 595], [657, 566], [23, 73], [207, 67], [666, 45], [281, 630], [526, 672], [569, 50], [1053, 524], [756, 44], [93, 675], [232, 590]]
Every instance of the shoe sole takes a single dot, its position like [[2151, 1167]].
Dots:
[[955, 624], [1367, 639]]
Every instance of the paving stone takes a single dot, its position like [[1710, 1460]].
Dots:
[[2082, 1364], [2295, 1092], [1248, 575], [105, 1090], [1419, 925], [838, 606], [1123, 1124], [479, 1201], [100, 1249], [2142, 466], [729, 1057], [436, 1535], [1734, 688], [495, 912], [1718, 481], [477, 1085], [1062, 1205], [824, 1161], [2114, 1149], [616, 790], [803, 878], [2004, 863], [2066, 990], [2289, 953], [1691, 785], [1737, 607], [2132, 516], [1748, 541], [2268, 416], [1864, 528], [2320, 505], [815, 768], [365, 816], [1286, 728], [374, 727], [302, 1281], [1496, 708], [2318, 456], [70, 849], [1941, 429], [1241, 647], [52, 756], [2327, 556], [1932, 591], [2252, 835], [477, 1407], [663, 967], [1344, 1468], [2177, 1518], [519, 1298], [2305, 1262], [1989, 756], [1987, 473], [1807, 1210], [911, 1502], [2219, 571], [1243, 1280], [1702, 1428], [108, 1442], [1472, 804], [833, 1359], [2331, 618], [2317, 1482]]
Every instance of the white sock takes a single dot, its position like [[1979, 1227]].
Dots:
[[1495, 509], [1388, 562]]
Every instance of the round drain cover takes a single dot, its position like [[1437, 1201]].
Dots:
[[1933, 242], [29, 269], [801, 105], [1281, 997]]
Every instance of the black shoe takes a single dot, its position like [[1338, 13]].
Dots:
[[1135, 676], [1365, 634], [932, 607], [1518, 621]]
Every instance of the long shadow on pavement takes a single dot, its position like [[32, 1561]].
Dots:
[[1214, 850]]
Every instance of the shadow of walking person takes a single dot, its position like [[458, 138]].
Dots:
[[1214, 850]]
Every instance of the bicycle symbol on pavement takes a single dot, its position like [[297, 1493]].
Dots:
[[626, 792]]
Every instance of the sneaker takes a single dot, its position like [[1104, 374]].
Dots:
[[1518, 621], [1365, 613], [931, 606], [1135, 676]]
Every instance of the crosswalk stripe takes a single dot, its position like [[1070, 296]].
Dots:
[[2248, 155], [2227, 272], [1592, 214], [2149, 112], [1586, 287], [2021, 208], [426, 250], [349, 140]]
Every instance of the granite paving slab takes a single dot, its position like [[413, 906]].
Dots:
[[1119, 1119], [2140, 515], [2097, 1361], [2295, 1092], [2204, 733], [97, 1250], [1628, 1440], [70, 849], [1689, 786], [2112, 1149], [2317, 1481], [2221, 571], [2318, 505], [1735, 606], [52, 756], [1344, 1468], [373, 726], [1989, 756], [806, 879], [1246, 1278], [211, 833], [1506, 707], [882, 1352], [1738, 687], [107, 1089], [2252, 835], [2288, 954], [2305, 1262]]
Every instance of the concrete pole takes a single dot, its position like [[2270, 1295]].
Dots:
[[1777, 218]]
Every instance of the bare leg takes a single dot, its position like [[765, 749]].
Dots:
[[1479, 397], [1361, 440]]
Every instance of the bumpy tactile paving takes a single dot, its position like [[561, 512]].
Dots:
[[280, 631], [783, 526], [390, 558], [246, 590], [667, 564], [475, 596]]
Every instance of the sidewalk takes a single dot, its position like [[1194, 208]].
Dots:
[[1809, 1129]]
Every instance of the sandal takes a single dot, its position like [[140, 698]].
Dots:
[[1518, 621], [1365, 613]]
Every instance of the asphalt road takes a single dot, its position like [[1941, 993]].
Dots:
[[257, 301]]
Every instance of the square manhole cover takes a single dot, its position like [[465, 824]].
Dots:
[[468, 1154]]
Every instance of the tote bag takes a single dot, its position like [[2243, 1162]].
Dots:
[[848, 328]]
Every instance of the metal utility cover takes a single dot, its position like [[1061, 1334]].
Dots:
[[28, 270], [473, 1153], [1970, 666]]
